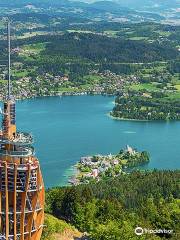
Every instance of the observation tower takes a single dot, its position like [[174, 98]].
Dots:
[[22, 191]]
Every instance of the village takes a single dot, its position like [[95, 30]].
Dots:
[[99, 167], [30, 85]]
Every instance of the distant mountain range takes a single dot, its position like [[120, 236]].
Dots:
[[142, 4], [135, 4], [110, 10], [126, 3], [169, 9], [150, 4]]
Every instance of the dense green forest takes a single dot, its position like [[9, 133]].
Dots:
[[146, 106], [113, 209], [104, 49]]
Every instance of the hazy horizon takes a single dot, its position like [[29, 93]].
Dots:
[[137, 3]]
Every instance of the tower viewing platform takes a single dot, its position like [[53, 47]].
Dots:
[[21, 138], [17, 152]]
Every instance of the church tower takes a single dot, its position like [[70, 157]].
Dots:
[[22, 192]]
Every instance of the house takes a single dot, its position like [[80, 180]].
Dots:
[[116, 162], [130, 150]]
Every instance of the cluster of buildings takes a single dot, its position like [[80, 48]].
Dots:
[[52, 85], [94, 167], [49, 85], [113, 83]]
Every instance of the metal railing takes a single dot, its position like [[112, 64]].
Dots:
[[21, 152], [33, 164], [21, 138]]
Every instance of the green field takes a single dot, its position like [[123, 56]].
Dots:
[[78, 31], [3, 81], [177, 87], [174, 95], [67, 89], [138, 38], [111, 33], [35, 48], [92, 78], [163, 33], [147, 86], [20, 73], [176, 79]]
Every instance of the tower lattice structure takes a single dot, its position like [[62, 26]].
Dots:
[[22, 190]]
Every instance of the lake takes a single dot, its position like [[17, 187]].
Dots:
[[67, 128]]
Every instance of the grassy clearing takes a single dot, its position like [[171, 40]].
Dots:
[[174, 95], [67, 89], [35, 48], [85, 86], [111, 33], [176, 79], [33, 34], [56, 229], [163, 33], [20, 73], [147, 86], [3, 81], [129, 33], [78, 31], [138, 38], [92, 79], [177, 87]]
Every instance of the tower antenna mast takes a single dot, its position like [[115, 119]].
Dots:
[[9, 59]]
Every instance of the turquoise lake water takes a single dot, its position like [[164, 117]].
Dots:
[[70, 127]]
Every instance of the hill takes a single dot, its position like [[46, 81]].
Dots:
[[104, 49], [56, 229], [99, 10], [108, 6], [149, 3], [142, 4], [113, 209]]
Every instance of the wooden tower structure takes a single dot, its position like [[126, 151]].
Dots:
[[22, 191]]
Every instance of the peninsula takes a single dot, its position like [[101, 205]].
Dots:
[[145, 105], [102, 167]]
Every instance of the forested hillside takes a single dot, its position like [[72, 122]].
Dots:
[[103, 49], [113, 209]]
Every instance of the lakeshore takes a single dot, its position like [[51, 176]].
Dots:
[[62, 94], [80, 127], [127, 119]]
